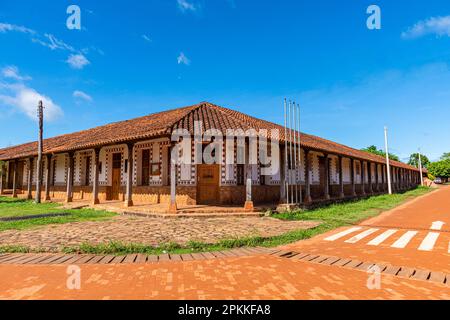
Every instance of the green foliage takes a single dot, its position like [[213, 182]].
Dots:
[[440, 168], [379, 152], [431, 177], [414, 160], [446, 156], [10, 207]]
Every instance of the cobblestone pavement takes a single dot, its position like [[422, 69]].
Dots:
[[149, 231], [261, 277]]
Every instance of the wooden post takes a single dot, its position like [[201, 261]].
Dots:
[[48, 163], [327, 178], [369, 176], [363, 178], [308, 198], [69, 178], [377, 178], [173, 181], [352, 176], [14, 194], [129, 191], [95, 199], [341, 177], [30, 179], [40, 150], [2, 174], [248, 181]]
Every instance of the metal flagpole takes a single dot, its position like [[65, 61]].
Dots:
[[295, 152], [420, 168], [299, 153], [40, 149], [285, 153], [290, 149], [388, 161]]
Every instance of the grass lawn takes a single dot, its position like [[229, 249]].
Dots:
[[18, 208], [332, 217]]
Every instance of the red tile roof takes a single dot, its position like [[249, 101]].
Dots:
[[162, 124]]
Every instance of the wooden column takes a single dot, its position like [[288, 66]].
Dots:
[[48, 163], [173, 181], [341, 177], [383, 179], [327, 177], [69, 178], [30, 179], [248, 182], [2, 174], [129, 190], [14, 194], [369, 176], [308, 198], [377, 178], [352, 176], [363, 178], [96, 162]]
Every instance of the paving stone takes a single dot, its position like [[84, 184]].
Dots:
[[421, 275], [406, 272], [153, 232], [437, 277]]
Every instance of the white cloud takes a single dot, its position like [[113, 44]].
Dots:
[[12, 72], [182, 59], [186, 6], [82, 95], [77, 61], [439, 26], [7, 27], [51, 42], [146, 38], [25, 100]]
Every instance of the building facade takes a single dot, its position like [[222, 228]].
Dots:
[[132, 161]]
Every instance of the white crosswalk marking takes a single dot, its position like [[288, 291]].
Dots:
[[381, 238], [404, 240], [343, 234], [429, 241], [362, 235]]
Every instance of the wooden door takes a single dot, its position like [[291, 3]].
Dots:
[[208, 184], [116, 176]]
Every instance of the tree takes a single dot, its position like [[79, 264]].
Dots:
[[446, 156], [414, 160], [379, 152], [440, 168]]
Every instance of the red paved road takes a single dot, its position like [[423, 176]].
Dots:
[[264, 277]]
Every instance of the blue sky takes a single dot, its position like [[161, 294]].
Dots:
[[135, 57]]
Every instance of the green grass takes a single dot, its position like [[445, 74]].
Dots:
[[332, 217], [18, 208]]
